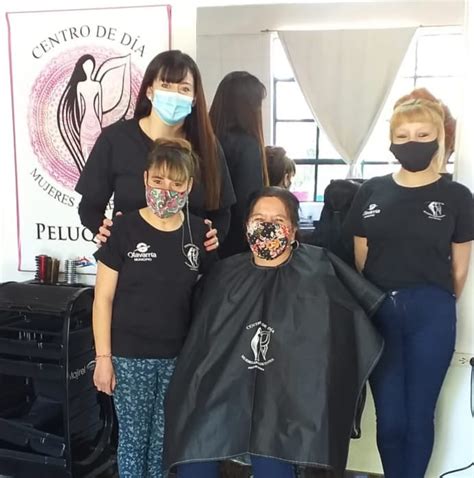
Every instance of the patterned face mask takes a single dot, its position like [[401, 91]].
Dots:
[[268, 240], [165, 203]]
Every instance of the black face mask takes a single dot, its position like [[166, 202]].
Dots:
[[415, 156]]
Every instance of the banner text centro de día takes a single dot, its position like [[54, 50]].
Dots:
[[69, 34]]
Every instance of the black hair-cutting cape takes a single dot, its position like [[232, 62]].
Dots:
[[274, 362]]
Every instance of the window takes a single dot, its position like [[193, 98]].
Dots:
[[433, 61]]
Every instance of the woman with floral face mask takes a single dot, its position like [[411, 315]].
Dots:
[[278, 351], [412, 238], [146, 272], [170, 104]]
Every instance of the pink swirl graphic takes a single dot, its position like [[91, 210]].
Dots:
[[77, 94]]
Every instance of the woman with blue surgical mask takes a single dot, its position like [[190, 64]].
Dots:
[[170, 104]]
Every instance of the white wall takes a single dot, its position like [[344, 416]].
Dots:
[[327, 15], [183, 37]]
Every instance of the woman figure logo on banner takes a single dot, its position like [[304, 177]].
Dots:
[[89, 100], [93, 99]]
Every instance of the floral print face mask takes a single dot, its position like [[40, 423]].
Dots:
[[268, 240], [165, 203]]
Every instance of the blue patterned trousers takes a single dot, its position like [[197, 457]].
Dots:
[[138, 398]]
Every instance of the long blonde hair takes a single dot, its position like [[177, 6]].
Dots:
[[421, 111]]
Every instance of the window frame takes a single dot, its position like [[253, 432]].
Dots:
[[316, 161]]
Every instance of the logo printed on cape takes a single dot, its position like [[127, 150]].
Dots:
[[141, 254], [259, 344], [434, 210], [371, 211], [192, 256]]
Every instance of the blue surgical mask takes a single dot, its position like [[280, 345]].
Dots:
[[171, 107]]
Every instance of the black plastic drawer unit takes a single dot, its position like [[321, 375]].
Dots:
[[53, 423]]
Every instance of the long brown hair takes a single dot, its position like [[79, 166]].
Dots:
[[237, 105], [172, 66]]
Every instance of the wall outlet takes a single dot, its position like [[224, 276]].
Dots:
[[461, 359]]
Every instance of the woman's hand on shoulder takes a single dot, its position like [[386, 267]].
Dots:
[[104, 375], [104, 231], [212, 242]]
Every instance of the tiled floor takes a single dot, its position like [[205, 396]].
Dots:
[[232, 470]]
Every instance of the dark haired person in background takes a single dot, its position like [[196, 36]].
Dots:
[[281, 168], [328, 233], [170, 104], [236, 115]]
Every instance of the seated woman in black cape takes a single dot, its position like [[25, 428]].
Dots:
[[279, 349]]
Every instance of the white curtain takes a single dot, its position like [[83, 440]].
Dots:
[[346, 76], [464, 173]]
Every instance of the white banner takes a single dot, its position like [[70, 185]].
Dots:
[[73, 72]]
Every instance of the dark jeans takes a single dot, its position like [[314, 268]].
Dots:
[[261, 467], [419, 328]]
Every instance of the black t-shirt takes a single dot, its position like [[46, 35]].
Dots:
[[151, 308], [116, 165], [409, 231], [447, 176]]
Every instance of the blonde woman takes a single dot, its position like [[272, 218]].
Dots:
[[412, 238]]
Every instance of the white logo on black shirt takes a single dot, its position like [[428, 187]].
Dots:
[[371, 211], [259, 344], [435, 210], [141, 254], [192, 256]]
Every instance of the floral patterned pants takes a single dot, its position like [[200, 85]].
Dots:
[[138, 398]]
